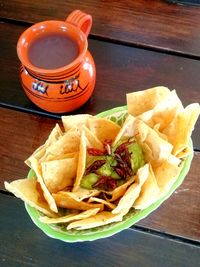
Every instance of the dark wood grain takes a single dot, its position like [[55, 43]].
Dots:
[[180, 214], [22, 244], [123, 38], [22, 133], [152, 24], [120, 70]]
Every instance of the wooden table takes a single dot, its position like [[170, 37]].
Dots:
[[136, 45]]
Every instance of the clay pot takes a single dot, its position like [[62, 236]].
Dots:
[[66, 88]]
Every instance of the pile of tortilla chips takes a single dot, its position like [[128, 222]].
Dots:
[[162, 127]]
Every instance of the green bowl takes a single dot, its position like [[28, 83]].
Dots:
[[59, 231]]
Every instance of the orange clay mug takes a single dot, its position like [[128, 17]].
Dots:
[[65, 88]]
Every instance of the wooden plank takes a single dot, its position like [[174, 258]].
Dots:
[[180, 214], [153, 24], [22, 133], [185, 2], [120, 70], [128, 248]]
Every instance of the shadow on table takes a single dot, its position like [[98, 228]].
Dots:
[[184, 2]]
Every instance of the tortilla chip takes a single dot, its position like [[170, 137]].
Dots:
[[50, 157], [58, 174], [92, 140], [55, 134], [83, 193], [37, 169], [184, 153], [100, 219], [119, 191], [174, 160], [75, 121], [103, 129], [81, 161], [70, 217], [142, 101], [99, 200], [180, 130], [128, 129], [65, 200], [156, 150], [166, 175], [87, 140], [26, 190], [149, 192], [68, 143], [164, 112], [156, 128], [132, 193]]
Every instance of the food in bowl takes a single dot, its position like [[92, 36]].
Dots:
[[99, 169]]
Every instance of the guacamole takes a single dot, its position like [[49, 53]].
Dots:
[[114, 167]]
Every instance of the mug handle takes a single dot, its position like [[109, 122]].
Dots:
[[81, 20]]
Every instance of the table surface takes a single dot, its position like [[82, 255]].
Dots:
[[136, 45]]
